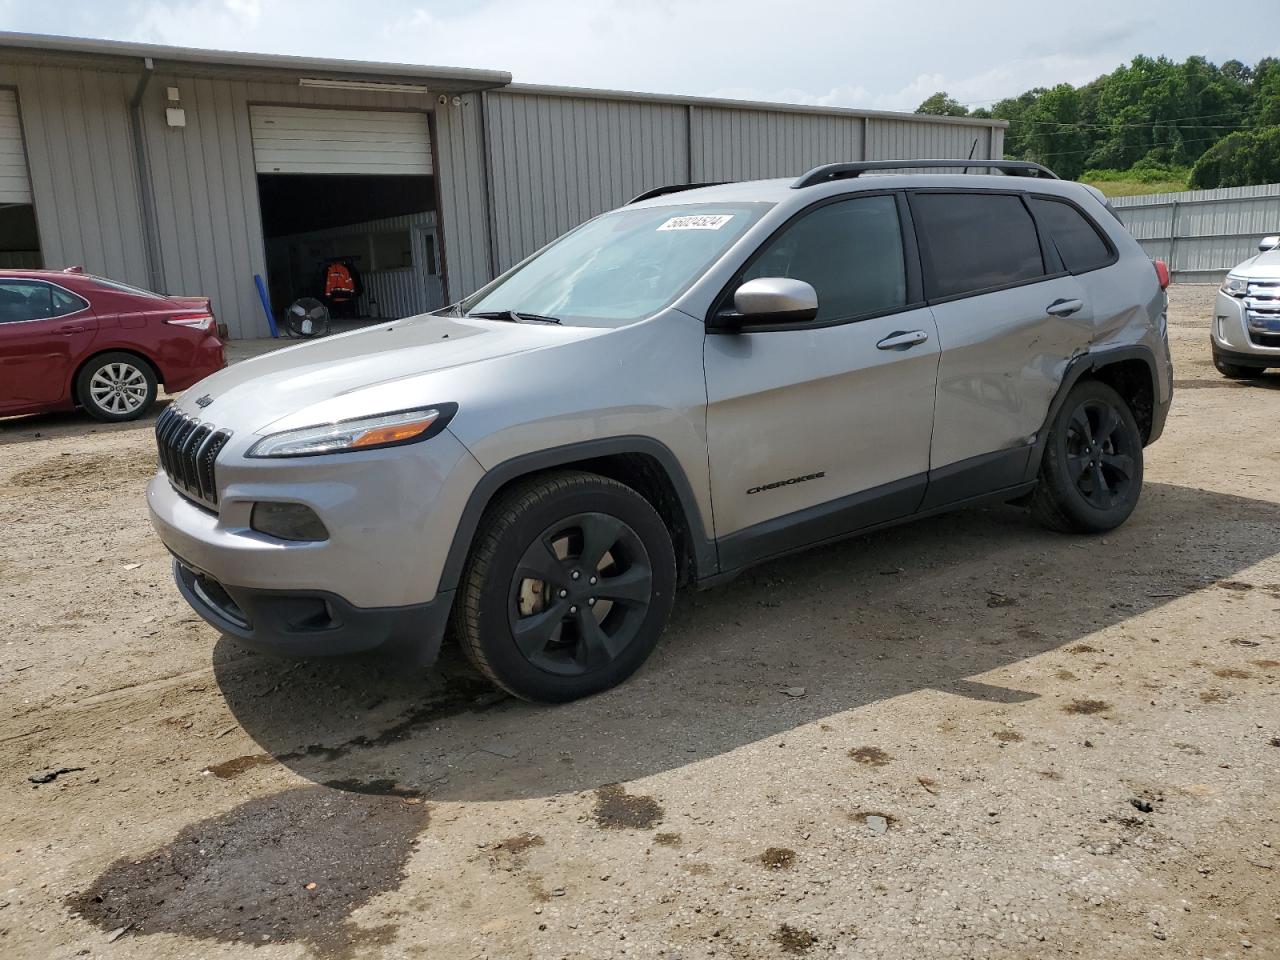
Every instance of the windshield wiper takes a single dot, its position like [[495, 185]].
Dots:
[[514, 316]]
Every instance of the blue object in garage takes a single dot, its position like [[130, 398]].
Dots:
[[266, 305]]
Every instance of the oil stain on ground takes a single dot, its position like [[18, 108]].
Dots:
[[794, 939], [618, 810], [1086, 707], [871, 756], [778, 858], [288, 868]]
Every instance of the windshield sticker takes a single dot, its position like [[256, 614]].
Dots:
[[702, 221]]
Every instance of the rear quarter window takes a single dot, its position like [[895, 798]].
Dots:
[[975, 241], [1078, 241]]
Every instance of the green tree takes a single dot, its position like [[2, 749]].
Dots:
[[1243, 158], [942, 105]]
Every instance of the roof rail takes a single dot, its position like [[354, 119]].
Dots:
[[847, 171], [673, 188]]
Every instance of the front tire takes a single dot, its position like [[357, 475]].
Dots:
[[116, 387], [568, 587], [1091, 474], [1233, 371]]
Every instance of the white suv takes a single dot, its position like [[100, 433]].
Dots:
[[1246, 316]]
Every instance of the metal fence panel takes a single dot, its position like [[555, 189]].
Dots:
[[1202, 234]]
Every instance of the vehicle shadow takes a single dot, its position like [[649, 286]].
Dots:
[[37, 427], [930, 605]]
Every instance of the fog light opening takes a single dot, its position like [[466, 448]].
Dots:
[[287, 521]]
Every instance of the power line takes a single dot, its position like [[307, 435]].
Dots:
[[1165, 143], [1113, 126]]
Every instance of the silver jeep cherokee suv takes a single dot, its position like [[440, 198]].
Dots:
[[703, 379]]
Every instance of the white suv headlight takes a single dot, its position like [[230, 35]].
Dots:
[[364, 433], [1235, 286]]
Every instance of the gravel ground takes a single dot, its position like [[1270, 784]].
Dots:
[[966, 737]]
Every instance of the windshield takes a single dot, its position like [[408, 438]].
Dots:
[[620, 267]]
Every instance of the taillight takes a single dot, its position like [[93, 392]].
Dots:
[[196, 321], [1162, 273]]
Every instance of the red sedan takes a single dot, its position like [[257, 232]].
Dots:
[[70, 339]]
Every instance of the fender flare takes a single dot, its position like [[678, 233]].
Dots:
[[1079, 366], [705, 557]]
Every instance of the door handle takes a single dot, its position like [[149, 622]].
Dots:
[[1064, 308], [902, 340], [71, 328]]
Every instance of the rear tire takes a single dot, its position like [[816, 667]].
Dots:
[[570, 582], [1233, 371], [116, 387], [1091, 474]]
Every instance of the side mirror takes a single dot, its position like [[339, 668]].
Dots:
[[1268, 243], [772, 300]]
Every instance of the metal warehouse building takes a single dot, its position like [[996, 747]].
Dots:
[[191, 171]]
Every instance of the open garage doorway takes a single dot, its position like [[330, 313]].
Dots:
[[348, 196]]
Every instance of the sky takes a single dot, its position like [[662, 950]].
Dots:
[[878, 54]]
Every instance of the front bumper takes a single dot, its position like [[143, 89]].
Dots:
[[295, 623], [1246, 332]]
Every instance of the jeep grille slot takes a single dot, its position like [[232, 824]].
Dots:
[[187, 450]]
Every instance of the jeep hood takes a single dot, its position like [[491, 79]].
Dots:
[[389, 366]]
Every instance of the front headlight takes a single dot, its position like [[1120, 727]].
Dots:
[[363, 433], [1235, 286]]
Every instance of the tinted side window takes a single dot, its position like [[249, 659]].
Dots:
[[1078, 241], [64, 302], [973, 241], [25, 300], [851, 253]]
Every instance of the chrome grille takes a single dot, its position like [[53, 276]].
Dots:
[[1262, 312], [188, 449]]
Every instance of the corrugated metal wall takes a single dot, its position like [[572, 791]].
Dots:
[[558, 157], [556, 161], [464, 191], [83, 178], [1201, 234], [733, 144]]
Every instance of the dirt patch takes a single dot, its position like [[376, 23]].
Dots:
[[863, 815], [794, 939], [618, 810], [287, 868], [1008, 736], [1065, 675], [230, 769], [1086, 707], [71, 471], [778, 858], [870, 756], [1231, 673], [1214, 696], [1083, 648], [1265, 664], [1051, 775], [668, 839], [518, 845], [1237, 585]]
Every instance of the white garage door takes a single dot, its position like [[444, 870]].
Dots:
[[15, 185], [310, 140]]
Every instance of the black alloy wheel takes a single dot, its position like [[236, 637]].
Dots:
[[579, 594], [1100, 455], [568, 586], [1091, 473]]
